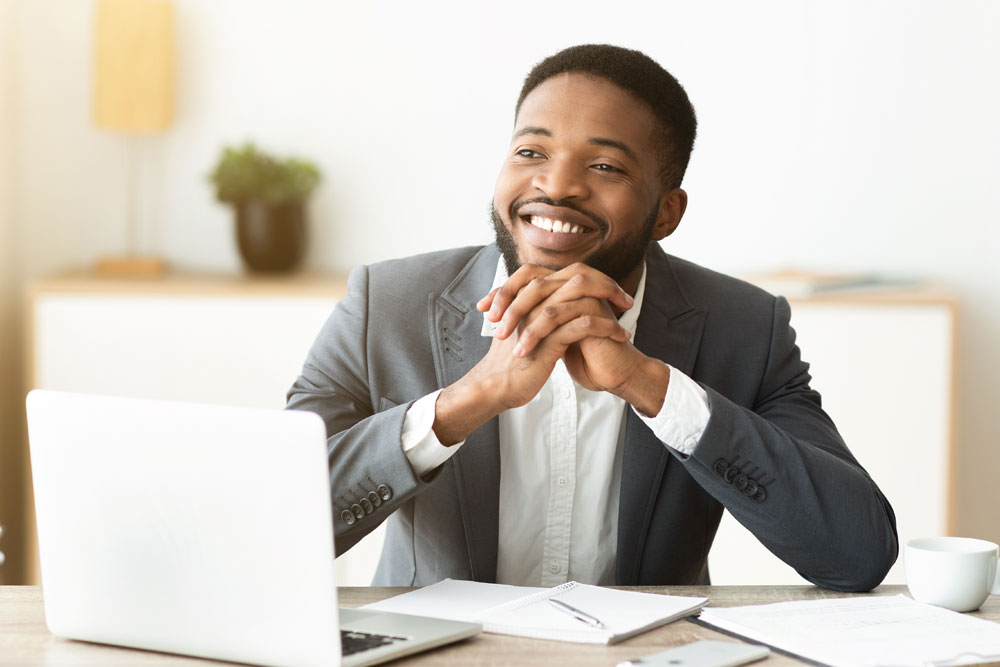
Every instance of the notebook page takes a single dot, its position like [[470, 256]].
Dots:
[[624, 613], [452, 599]]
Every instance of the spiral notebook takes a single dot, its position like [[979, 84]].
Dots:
[[526, 612]]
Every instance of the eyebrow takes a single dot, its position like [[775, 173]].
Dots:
[[594, 141], [531, 129], [611, 143]]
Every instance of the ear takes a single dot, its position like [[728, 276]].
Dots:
[[673, 203]]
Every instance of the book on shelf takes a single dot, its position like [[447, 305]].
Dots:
[[797, 284]]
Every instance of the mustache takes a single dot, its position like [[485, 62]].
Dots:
[[598, 221]]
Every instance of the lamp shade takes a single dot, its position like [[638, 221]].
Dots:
[[134, 65]]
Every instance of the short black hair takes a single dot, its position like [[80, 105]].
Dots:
[[640, 75]]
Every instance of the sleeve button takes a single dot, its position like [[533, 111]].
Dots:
[[358, 512], [751, 488], [720, 467], [740, 482], [384, 491], [348, 517], [760, 495], [366, 505], [730, 473], [375, 498]]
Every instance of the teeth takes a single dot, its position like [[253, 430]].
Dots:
[[556, 226]]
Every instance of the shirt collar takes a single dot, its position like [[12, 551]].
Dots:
[[629, 319]]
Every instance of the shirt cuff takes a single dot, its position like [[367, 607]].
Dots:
[[420, 445], [684, 416]]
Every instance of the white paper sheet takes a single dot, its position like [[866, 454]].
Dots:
[[872, 631], [453, 599]]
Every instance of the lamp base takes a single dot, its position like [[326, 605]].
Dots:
[[131, 267]]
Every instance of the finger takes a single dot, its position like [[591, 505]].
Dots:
[[585, 326], [484, 304], [529, 297], [545, 319], [506, 293], [582, 282], [574, 282], [595, 284], [598, 284]]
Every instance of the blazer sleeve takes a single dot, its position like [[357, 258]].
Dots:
[[783, 471], [370, 476]]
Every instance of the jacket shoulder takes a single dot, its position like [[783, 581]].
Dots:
[[426, 272], [401, 287], [706, 287]]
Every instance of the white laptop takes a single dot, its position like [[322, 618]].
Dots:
[[200, 530]]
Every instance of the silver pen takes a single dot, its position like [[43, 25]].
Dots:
[[576, 613]]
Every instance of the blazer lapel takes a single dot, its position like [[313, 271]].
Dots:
[[456, 332], [669, 329]]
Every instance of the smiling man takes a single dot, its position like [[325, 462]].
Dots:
[[571, 403]]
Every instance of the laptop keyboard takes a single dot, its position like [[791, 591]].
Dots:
[[352, 642]]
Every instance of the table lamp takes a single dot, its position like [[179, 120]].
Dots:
[[133, 95]]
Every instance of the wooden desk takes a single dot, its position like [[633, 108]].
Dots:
[[24, 639]]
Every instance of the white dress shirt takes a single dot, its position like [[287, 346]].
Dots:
[[560, 467]]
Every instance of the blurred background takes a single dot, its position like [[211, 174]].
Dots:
[[835, 136]]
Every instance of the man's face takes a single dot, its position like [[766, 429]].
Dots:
[[581, 181]]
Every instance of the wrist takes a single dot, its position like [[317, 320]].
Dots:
[[461, 408], [646, 388]]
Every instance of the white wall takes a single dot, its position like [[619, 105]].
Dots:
[[837, 134]]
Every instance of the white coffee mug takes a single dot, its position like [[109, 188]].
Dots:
[[957, 573]]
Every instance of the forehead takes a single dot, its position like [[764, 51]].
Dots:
[[590, 106]]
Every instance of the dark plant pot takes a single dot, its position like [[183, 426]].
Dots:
[[272, 238]]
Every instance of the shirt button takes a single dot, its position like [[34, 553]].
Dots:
[[562, 480], [567, 392], [554, 568]]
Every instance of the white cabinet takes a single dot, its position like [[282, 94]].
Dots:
[[884, 364], [212, 339]]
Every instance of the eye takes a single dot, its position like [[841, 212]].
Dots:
[[527, 153], [604, 166]]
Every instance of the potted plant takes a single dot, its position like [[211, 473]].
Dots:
[[269, 196]]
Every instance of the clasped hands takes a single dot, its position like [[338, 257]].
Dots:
[[542, 316]]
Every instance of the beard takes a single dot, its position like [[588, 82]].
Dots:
[[616, 261]]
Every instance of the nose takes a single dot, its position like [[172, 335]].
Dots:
[[561, 179]]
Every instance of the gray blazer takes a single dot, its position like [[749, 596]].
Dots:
[[769, 455]]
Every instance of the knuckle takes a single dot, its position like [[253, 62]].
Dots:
[[550, 312], [524, 269]]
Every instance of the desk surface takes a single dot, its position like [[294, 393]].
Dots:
[[24, 639]]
